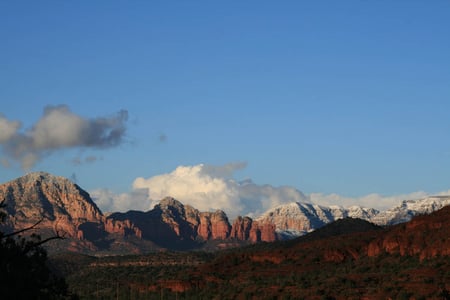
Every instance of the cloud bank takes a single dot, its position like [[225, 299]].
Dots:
[[208, 188], [58, 129]]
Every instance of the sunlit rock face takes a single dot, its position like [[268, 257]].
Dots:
[[214, 225], [246, 229], [61, 205]]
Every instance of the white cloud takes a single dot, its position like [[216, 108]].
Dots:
[[108, 201], [191, 185], [213, 187]]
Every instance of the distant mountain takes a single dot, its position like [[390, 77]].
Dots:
[[410, 208], [296, 219], [60, 206]]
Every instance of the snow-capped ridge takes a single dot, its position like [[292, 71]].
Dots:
[[298, 218], [407, 209]]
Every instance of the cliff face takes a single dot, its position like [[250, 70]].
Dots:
[[246, 229], [174, 225], [213, 225], [202, 225], [61, 205]]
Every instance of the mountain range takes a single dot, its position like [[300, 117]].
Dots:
[[60, 206]]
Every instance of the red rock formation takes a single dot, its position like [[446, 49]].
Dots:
[[245, 229], [60, 204], [188, 222], [204, 230], [241, 228], [267, 231], [123, 228], [220, 227], [255, 234], [426, 236]]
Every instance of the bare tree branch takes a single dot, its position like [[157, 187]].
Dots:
[[56, 237], [22, 230]]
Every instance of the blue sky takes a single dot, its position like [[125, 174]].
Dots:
[[345, 97]]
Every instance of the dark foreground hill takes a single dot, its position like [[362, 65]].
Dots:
[[406, 261]]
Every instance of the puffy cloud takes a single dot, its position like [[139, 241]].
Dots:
[[58, 129], [108, 201], [212, 187], [191, 185]]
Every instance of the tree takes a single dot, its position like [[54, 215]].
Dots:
[[24, 272]]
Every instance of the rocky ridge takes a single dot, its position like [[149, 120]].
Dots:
[[296, 219], [408, 209], [62, 207]]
